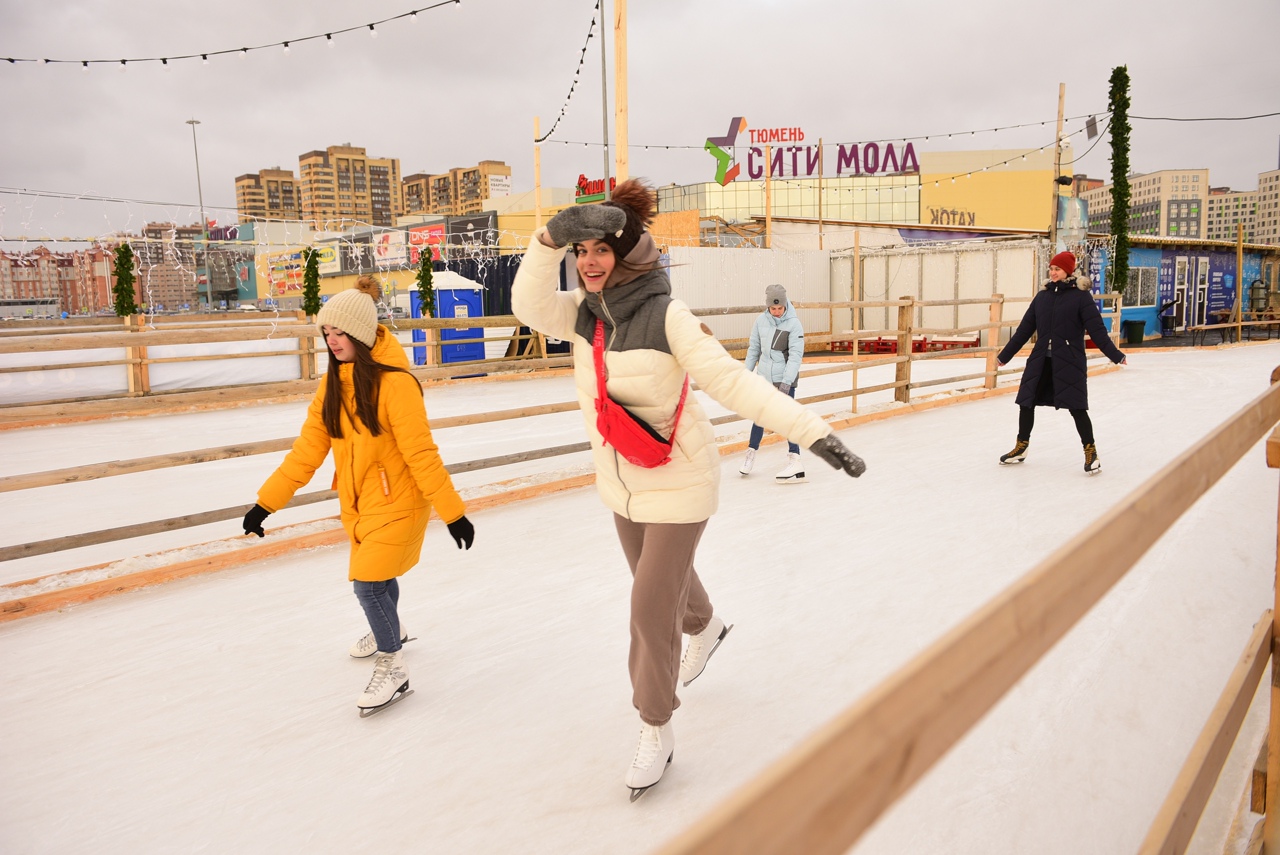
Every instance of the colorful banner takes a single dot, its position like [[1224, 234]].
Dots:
[[389, 250], [419, 236]]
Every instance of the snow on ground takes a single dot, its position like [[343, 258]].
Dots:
[[217, 713]]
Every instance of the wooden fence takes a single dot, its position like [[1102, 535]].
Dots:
[[902, 385], [824, 795]]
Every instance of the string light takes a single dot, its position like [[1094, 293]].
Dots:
[[574, 85], [286, 48], [412, 15], [328, 37]]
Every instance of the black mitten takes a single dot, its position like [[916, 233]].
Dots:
[[253, 520], [834, 452], [462, 531], [577, 223]]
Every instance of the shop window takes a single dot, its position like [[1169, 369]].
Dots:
[[1143, 288]]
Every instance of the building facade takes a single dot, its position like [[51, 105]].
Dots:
[[459, 192], [270, 194], [167, 278], [1168, 203], [1267, 225], [342, 187], [78, 283], [1227, 210]]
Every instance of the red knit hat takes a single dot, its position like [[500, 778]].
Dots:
[[1065, 261]]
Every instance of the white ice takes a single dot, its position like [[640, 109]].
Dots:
[[217, 714]]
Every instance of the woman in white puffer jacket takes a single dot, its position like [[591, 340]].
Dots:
[[652, 342]]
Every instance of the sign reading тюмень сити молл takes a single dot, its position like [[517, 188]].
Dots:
[[788, 159]]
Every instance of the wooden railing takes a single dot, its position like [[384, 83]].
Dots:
[[823, 796]]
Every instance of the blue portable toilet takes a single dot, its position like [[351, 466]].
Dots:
[[456, 297]]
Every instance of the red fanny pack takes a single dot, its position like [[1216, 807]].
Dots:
[[633, 438]]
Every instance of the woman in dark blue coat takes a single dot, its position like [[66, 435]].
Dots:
[[1056, 374]]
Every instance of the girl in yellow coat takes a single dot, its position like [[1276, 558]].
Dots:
[[388, 475]]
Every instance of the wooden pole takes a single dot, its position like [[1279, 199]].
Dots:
[[623, 169], [1271, 822], [604, 98], [1057, 170], [855, 294], [537, 176], [1239, 312], [768, 207], [820, 198]]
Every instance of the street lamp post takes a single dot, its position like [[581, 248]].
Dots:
[[204, 224]]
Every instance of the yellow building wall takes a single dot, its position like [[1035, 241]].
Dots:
[[1014, 195]]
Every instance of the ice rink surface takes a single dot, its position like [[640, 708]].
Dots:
[[217, 714]]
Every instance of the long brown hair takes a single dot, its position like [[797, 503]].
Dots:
[[366, 375]]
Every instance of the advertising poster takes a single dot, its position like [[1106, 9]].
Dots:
[[330, 264], [469, 237], [284, 271], [420, 236], [389, 250]]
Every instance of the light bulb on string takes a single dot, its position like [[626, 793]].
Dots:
[[123, 65], [373, 33], [204, 57], [328, 39], [286, 48], [413, 17], [244, 51], [165, 62], [84, 66]]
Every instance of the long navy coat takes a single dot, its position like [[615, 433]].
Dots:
[[1059, 316]]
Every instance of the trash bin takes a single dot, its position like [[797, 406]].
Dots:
[[1168, 325], [1133, 331]]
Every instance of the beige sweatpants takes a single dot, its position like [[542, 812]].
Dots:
[[667, 599]]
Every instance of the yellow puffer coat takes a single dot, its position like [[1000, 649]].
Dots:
[[386, 484]]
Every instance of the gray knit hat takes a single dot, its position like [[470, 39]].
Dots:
[[775, 295], [352, 312]]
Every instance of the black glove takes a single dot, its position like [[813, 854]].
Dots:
[[253, 520], [834, 452], [577, 223], [462, 531], [784, 388]]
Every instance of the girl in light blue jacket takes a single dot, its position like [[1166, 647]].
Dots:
[[775, 351]]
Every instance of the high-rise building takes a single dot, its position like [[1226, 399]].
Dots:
[[166, 267], [1228, 209], [271, 194], [1168, 203], [342, 187], [79, 281], [1267, 226], [458, 192]]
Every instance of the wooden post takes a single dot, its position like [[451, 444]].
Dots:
[[902, 372], [855, 294], [1239, 312], [619, 88], [768, 208], [820, 197], [1271, 822], [1057, 169], [993, 338], [537, 177], [139, 377]]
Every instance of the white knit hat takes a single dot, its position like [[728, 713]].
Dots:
[[352, 312]]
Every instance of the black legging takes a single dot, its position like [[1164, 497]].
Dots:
[[1027, 420]]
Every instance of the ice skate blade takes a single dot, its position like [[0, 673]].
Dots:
[[1010, 462], [714, 648], [637, 792], [365, 712], [1093, 471], [794, 479]]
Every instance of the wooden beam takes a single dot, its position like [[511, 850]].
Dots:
[[1177, 818], [822, 797]]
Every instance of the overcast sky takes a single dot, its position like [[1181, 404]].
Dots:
[[465, 82]]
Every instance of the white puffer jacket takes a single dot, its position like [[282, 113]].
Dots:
[[648, 382]]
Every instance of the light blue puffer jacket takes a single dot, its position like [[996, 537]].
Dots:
[[775, 365]]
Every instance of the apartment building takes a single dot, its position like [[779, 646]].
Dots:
[[342, 187], [79, 281], [1267, 225], [270, 194], [458, 192], [1227, 210], [1168, 203], [166, 267]]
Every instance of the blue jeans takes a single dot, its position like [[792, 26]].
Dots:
[[757, 434], [379, 599]]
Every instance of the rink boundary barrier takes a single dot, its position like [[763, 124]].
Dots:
[[823, 795]]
